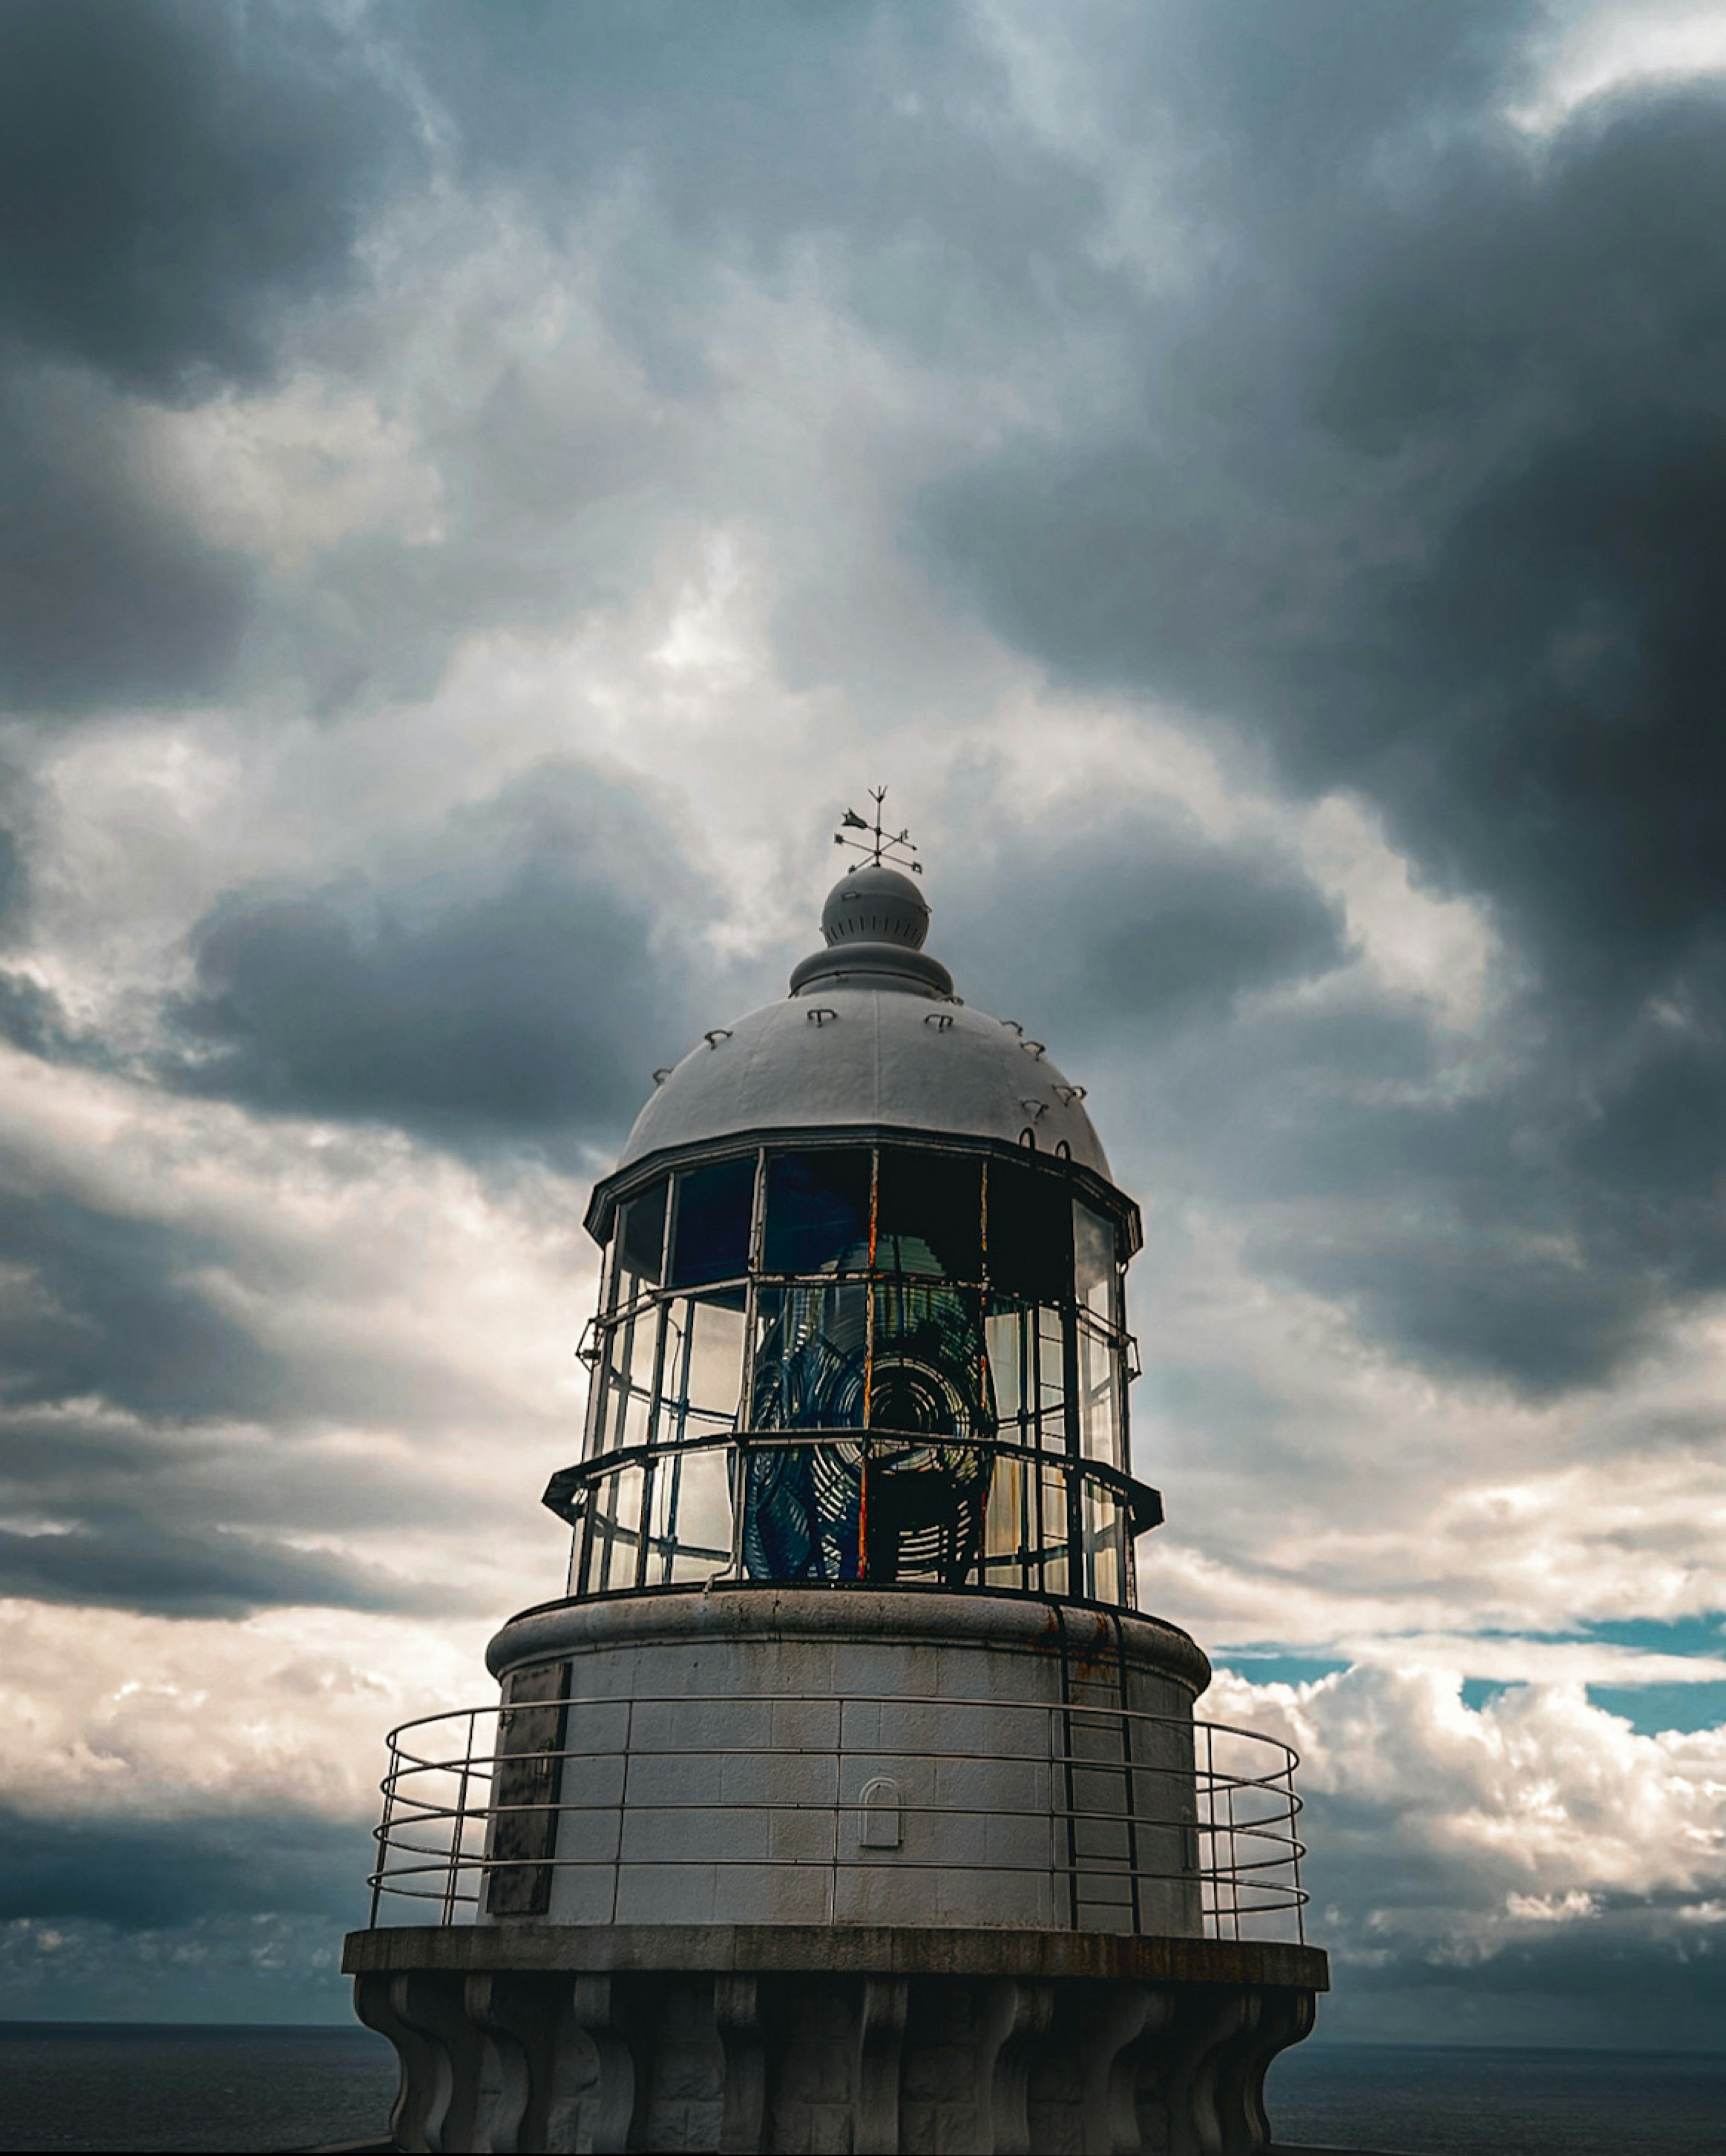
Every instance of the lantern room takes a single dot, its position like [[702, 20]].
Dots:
[[861, 1315]]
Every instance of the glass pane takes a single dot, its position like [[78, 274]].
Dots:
[[1103, 1543], [1049, 1340], [927, 1375], [1031, 1232], [702, 1377], [1094, 1262], [703, 1538], [922, 1514], [690, 1535], [818, 1212], [711, 1241], [811, 1358], [626, 1375], [929, 1214], [640, 1240], [802, 1511], [615, 1507], [1004, 1333], [715, 1360], [1099, 1392], [1055, 1530], [1006, 1540]]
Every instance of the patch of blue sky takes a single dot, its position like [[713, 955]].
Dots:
[[1702, 1634], [1269, 1665], [1653, 1709]]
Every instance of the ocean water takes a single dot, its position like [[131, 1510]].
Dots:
[[1429, 2101], [84, 2085], [103, 2085]]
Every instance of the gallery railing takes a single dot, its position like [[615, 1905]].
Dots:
[[854, 1504], [1137, 1812]]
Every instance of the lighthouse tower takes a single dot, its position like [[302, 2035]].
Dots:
[[846, 1800]]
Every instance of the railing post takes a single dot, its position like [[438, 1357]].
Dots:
[[459, 1826], [1294, 1852], [838, 1796], [1234, 1866], [1214, 1880], [381, 1834], [1059, 1828], [622, 1804]]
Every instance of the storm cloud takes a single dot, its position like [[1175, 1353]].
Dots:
[[512, 982], [176, 177], [1458, 553], [175, 181]]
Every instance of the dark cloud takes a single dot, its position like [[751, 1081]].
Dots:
[[688, 158], [157, 1454], [1463, 1227], [1276, 105], [175, 181], [1474, 1230], [31, 1016], [1596, 1986], [1107, 925], [1466, 1234], [102, 1304], [1641, 1974], [507, 981], [1459, 550], [172, 175], [515, 982], [150, 1873], [106, 593], [123, 1562], [1479, 582], [887, 130]]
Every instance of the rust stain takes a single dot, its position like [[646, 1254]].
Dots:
[[1099, 1647], [1086, 1651]]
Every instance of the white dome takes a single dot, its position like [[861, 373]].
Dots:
[[840, 1053], [871, 1037]]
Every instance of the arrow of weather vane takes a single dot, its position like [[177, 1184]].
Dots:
[[877, 845]]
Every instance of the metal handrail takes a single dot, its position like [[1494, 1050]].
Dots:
[[1248, 1820]]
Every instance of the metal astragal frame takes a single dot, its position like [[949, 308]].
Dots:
[[442, 1810]]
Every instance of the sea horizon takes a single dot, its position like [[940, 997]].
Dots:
[[133, 2084]]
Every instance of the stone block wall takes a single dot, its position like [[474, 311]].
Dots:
[[756, 1720]]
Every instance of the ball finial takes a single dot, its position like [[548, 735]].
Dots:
[[876, 905]]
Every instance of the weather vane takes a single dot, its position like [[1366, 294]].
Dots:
[[893, 848]]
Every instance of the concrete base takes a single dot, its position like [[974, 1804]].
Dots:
[[815, 2038]]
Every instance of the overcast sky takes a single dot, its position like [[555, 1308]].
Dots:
[[485, 486]]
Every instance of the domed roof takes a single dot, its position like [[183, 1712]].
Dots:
[[870, 1036]]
